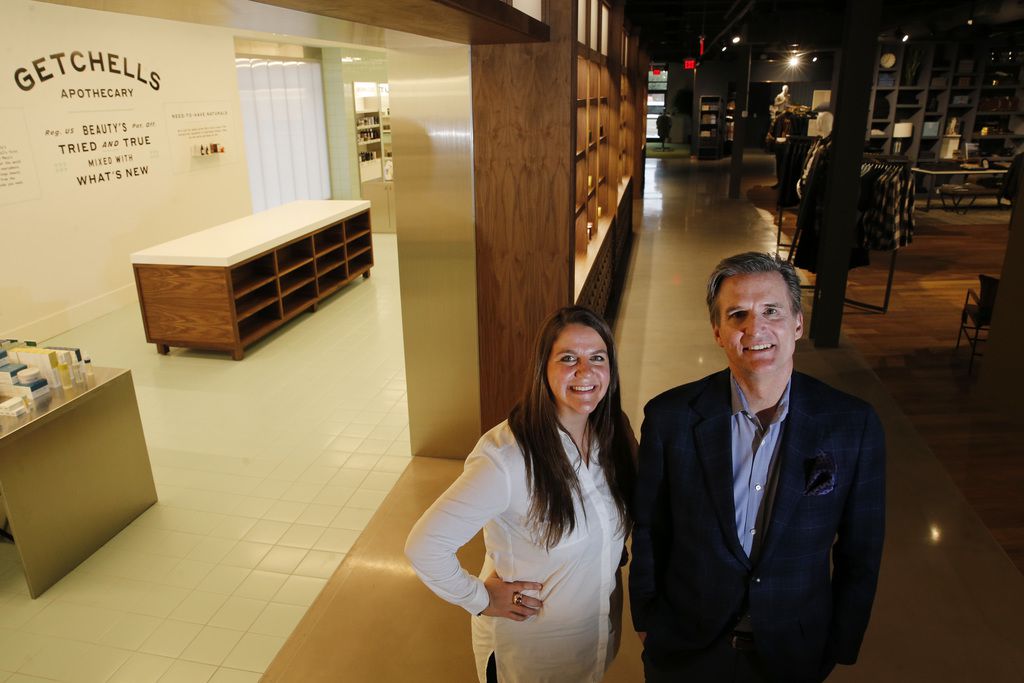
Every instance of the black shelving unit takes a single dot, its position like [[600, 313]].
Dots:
[[710, 126]]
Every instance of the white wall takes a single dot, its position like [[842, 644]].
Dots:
[[67, 227]]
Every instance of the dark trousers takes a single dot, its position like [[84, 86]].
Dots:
[[492, 670], [719, 663]]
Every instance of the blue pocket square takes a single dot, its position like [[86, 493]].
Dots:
[[820, 473]]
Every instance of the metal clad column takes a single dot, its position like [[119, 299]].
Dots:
[[860, 40], [432, 133]]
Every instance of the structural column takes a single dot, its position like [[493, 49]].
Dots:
[[739, 126], [839, 222], [1002, 369]]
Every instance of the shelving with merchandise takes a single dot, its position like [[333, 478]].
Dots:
[[710, 126], [369, 129], [384, 94], [930, 99]]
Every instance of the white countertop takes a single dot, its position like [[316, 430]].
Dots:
[[233, 242]]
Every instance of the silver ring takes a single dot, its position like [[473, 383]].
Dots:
[[517, 598]]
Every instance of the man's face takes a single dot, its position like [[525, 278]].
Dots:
[[756, 325]]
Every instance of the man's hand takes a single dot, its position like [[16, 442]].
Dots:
[[508, 601]]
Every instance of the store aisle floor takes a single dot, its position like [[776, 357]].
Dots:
[[949, 599], [267, 471]]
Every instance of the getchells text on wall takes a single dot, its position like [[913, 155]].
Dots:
[[59, 64]]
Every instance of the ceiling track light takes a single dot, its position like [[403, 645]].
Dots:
[[735, 39], [724, 48], [904, 37], [814, 58]]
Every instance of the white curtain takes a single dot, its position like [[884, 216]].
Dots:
[[285, 136]]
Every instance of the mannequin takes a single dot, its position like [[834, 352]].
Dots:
[[824, 123], [781, 102]]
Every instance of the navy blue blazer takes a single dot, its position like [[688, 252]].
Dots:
[[690, 580]]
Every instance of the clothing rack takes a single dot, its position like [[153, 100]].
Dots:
[[796, 147], [903, 164], [884, 308]]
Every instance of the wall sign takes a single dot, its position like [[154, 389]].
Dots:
[[92, 164], [92, 118]]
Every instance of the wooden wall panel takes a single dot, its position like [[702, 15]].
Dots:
[[522, 128], [186, 303]]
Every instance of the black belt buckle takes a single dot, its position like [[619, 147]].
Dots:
[[742, 640]]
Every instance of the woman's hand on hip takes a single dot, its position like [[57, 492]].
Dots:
[[508, 600]]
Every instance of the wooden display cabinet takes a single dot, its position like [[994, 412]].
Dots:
[[230, 306]]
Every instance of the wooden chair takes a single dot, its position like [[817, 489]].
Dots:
[[977, 315]]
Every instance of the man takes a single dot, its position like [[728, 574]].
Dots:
[[749, 479], [664, 126]]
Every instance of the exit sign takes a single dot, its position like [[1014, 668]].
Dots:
[[689, 63]]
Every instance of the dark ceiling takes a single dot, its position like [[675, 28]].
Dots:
[[671, 29]]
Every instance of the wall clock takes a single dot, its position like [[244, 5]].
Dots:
[[888, 60]]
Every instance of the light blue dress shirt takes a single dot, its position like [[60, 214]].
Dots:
[[753, 449]]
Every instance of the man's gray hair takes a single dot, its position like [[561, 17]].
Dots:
[[749, 263]]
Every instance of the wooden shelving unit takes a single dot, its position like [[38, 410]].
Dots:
[[607, 146], [593, 155], [230, 307]]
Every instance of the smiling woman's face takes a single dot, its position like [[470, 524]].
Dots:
[[578, 373]]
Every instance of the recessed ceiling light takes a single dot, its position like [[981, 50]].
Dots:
[[794, 60], [735, 39], [814, 58], [724, 48]]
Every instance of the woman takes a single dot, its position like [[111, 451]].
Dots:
[[549, 486]]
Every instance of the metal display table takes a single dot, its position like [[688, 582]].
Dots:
[[74, 472]]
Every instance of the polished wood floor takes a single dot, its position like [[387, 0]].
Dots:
[[910, 348]]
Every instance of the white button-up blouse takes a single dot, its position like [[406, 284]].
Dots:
[[575, 635]]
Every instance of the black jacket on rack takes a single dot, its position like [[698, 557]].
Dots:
[[809, 218], [793, 157]]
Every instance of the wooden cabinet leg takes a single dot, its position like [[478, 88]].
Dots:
[[237, 354], [366, 274], [163, 349]]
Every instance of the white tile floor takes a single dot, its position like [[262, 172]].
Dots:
[[267, 471]]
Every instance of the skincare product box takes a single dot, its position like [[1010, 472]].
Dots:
[[13, 407], [9, 373]]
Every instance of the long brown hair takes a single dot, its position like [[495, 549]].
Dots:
[[534, 423]]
